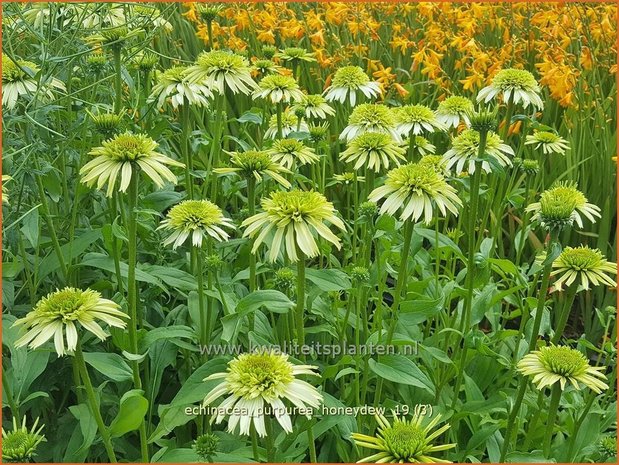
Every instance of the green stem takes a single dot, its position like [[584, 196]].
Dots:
[[251, 200], [570, 295], [541, 300], [311, 442], [300, 298], [92, 402], [184, 144], [578, 424], [10, 399], [216, 143], [508, 117], [254, 443], [205, 319], [116, 49], [555, 398], [279, 120], [268, 426]]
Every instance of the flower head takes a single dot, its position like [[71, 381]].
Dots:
[[607, 446], [416, 119], [561, 364], [220, 69], [61, 311], [314, 106], [145, 61], [424, 146], [549, 142], [453, 110], [318, 132], [289, 152], [107, 124], [349, 80], [584, 265], [284, 279], [516, 85], [293, 219], [260, 380], [561, 205], [209, 11], [403, 441], [436, 162], [264, 67], [256, 163], [278, 88], [374, 150], [416, 188], [530, 167], [5, 195], [296, 54], [290, 124], [122, 155], [465, 150], [20, 444], [369, 117], [18, 79], [206, 446], [195, 218], [174, 84]]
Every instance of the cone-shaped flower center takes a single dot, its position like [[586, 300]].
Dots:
[[69, 304], [222, 61], [414, 114], [259, 374], [194, 214], [129, 147], [581, 258], [368, 114], [563, 361], [350, 76], [514, 79], [559, 202], [13, 72], [298, 206], [416, 178], [455, 105], [278, 81], [404, 440]]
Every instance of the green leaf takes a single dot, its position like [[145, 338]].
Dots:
[[88, 425], [169, 333], [329, 280], [133, 407], [69, 251], [399, 369], [112, 366], [274, 301]]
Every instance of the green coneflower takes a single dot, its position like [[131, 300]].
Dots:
[[424, 146], [516, 84], [59, 313], [453, 110], [462, 155], [220, 70], [278, 88], [259, 382], [206, 446], [318, 132], [122, 155], [20, 444], [269, 51], [296, 54], [293, 219], [115, 37], [195, 218], [416, 119], [368, 209], [107, 124], [145, 61], [359, 274], [314, 106], [289, 152], [284, 279], [529, 166], [417, 189], [369, 117], [549, 142], [265, 67], [97, 61], [18, 80], [174, 84], [403, 441], [5, 194], [560, 364], [374, 150], [209, 11], [256, 163], [562, 205], [347, 178], [290, 124], [608, 446], [349, 80], [588, 266], [436, 162]]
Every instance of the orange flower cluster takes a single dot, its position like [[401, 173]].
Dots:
[[459, 47]]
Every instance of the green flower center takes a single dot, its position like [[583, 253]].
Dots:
[[581, 258], [468, 142], [288, 146], [414, 114], [546, 137], [252, 160], [404, 440], [14, 72], [372, 141], [350, 77], [416, 178], [368, 114], [435, 161], [194, 214], [559, 202], [206, 445], [313, 100], [68, 304], [173, 75], [278, 82], [507, 79], [222, 61], [263, 64], [259, 374], [129, 147], [563, 361], [295, 52], [114, 34], [455, 105], [296, 205]]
